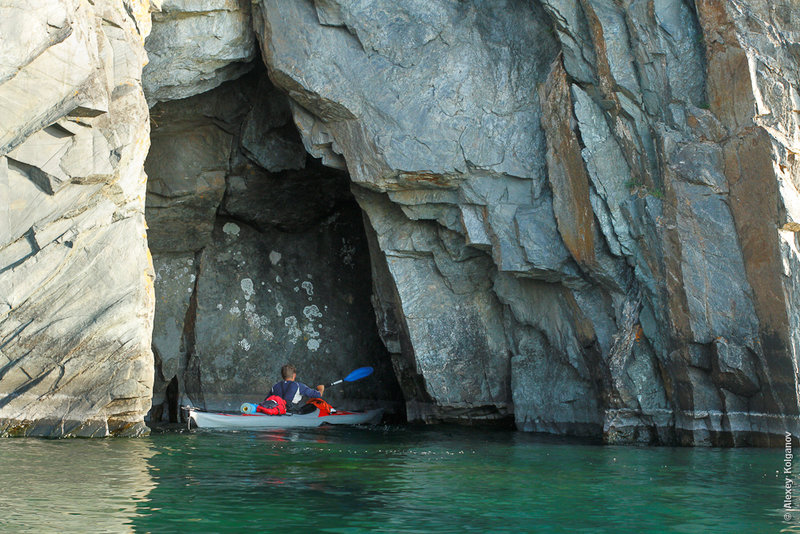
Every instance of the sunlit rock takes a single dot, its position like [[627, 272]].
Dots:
[[76, 282], [195, 46]]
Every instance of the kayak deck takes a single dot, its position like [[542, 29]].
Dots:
[[260, 421]]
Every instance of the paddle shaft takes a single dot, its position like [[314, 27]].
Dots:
[[358, 374]]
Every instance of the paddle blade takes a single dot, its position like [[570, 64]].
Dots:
[[358, 374]]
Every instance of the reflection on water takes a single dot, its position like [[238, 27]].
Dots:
[[384, 479], [72, 485]]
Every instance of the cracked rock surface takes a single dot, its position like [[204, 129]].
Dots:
[[586, 219], [76, 281], [579, 214]]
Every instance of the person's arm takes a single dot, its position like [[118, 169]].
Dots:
[[308, 392]]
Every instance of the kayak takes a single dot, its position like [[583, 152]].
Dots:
[[259, 421]]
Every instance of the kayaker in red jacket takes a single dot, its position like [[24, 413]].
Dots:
[[292, 391]]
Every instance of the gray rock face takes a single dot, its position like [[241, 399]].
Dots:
[[432, 64], [579, 214], [187, 164], [458, 361], [197, 45], [76, 283], [590, 242], [174, 286]]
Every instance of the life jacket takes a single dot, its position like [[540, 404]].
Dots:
[[324, 407], [272, 405]]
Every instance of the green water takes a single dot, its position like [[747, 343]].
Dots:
[[383, 479]]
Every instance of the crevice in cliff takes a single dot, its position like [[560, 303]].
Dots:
[[157, 409], [701, 47], [192, 379], [392, 328], [173, 400]]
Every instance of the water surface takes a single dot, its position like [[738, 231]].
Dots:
[[384, 479]]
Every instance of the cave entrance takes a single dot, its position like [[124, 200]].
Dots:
[[260, 258]]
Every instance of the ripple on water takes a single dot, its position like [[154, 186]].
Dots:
[[383, 479]]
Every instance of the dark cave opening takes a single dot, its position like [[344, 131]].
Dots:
[[260, 255]]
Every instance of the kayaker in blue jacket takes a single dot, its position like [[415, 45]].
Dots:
[[292, 391]]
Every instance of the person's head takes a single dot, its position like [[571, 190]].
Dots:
[[288, 372]]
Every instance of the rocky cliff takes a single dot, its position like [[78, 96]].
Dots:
[[581, 214], [76, 281]]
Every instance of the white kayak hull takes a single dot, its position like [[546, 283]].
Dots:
[[259, 421]]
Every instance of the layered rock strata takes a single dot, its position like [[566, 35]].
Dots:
[[581, 214], [581, 210], [76, 281], [196, 45]]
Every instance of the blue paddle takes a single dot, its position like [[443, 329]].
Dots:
[[358, 374]]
